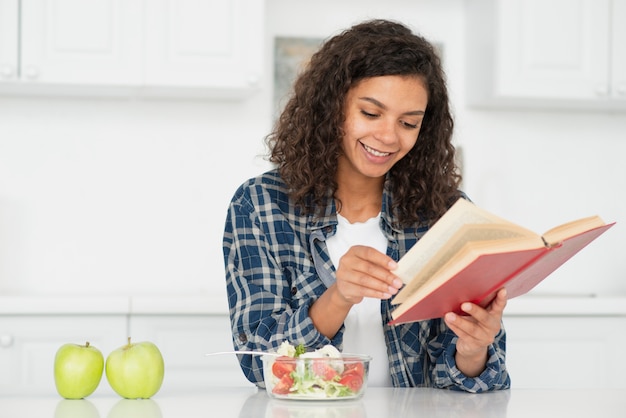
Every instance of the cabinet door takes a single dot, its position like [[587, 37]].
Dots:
[[555, 49], [215, 45], [541, 53], [81, 42], [619, 49], [28, 345], [183, 341], [8, 40], [566, 352]]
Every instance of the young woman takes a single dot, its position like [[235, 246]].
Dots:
[[364, 166]]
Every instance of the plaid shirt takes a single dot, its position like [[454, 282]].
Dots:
[[277, 265]]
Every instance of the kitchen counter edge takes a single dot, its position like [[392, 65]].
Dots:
[[527, 305]]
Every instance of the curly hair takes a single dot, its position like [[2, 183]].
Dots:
[[306, 141]]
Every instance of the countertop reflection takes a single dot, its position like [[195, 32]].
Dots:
[[249, 402]]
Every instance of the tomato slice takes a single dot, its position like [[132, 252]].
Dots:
[[356, 368], [353, 380], [283, 365], [322, 369], [283, 385]]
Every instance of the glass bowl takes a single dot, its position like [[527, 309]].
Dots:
[[316, 378]]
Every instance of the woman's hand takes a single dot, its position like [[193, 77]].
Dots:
[[362, 272], [366, 272], [476, 333]]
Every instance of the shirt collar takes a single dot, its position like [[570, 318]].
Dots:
[[329, 217]]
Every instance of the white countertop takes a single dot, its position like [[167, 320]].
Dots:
[[205, 304], [376, 403]]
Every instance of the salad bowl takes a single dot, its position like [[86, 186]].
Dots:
[[318, 375]]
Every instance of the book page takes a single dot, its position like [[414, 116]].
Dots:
[[461, 213], [494, 235], [561, 232]]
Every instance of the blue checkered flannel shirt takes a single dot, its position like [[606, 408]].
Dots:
[[277, 265]]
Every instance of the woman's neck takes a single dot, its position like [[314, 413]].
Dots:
[[359, 198]]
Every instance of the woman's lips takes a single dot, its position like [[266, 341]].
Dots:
[[375, 152]]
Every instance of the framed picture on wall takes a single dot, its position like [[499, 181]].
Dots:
[[291, 55]]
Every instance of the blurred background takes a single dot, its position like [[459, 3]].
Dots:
[[120, 194], [126, 126]]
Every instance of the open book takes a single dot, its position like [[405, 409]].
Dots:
[[469, 254]]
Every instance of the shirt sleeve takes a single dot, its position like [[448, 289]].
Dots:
[[263, 311], [445, 373]]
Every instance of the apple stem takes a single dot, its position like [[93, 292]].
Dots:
[[87, 344], [128, 340]]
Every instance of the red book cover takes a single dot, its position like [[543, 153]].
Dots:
[[517, 271]]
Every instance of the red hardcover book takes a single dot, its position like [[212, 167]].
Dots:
[[469, 254]]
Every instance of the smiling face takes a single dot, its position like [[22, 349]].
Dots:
[[383, 119]]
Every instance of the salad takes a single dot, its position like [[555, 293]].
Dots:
[[324, 373]]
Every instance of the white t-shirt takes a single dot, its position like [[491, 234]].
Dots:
[[363, 326]]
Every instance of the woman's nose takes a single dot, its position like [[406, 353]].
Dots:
[[386, 131]]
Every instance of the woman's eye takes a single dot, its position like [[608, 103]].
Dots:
[[409, 125], [369, 115]]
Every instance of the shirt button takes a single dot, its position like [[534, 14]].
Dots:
[[243, 338], [294, 290]]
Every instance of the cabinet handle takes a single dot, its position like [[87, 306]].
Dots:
[[6, 341], [31, 72], [621, 89], [7, 72]]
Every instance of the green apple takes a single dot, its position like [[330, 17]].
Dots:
[[77, 370], [135, 370]]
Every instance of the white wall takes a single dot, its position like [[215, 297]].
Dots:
[[129, 197], [117, 196]]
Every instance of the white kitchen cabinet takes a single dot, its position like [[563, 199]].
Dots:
[[183, 341], [205, 45], [555, 343], [9, 31], [556, 53], [566, 352], [618, 49], [131, 47], [72, 42], [28, 344]]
